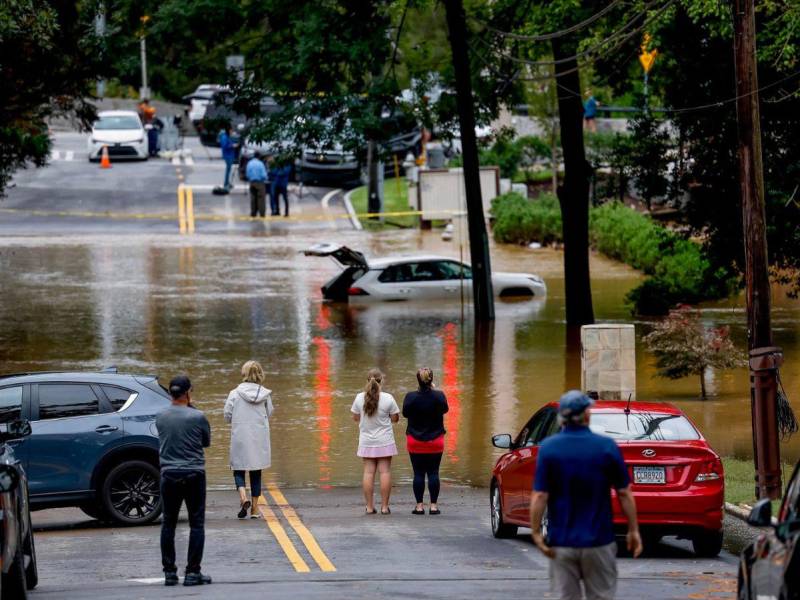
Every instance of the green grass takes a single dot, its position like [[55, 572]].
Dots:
[[395, 199], [740, 482]]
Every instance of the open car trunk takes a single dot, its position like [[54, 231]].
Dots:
[[355, 266]]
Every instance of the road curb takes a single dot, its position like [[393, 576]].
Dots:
[[348, 205], [742, 513]]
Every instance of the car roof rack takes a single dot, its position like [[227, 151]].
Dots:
[[111, 370]]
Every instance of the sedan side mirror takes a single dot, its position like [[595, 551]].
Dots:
[[761, 515], [502, 440]]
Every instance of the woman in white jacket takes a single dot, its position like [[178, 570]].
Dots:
[[248, 409]]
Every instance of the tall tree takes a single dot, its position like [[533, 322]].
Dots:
[[50, 59], [573, 195]]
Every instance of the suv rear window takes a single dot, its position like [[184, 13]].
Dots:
[[643, 426], [117, 396]]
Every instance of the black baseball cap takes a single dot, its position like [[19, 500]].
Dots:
[[179, 386]]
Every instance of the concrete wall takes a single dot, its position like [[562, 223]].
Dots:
[[608, 360]]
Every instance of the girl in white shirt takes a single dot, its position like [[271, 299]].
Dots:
[[375, 412]]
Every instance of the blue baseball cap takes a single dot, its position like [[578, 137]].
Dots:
[[574, 402]]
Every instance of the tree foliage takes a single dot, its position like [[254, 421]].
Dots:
[[683, 346], [50, 58]]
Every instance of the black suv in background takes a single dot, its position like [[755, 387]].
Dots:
[[17, 551], [93, 443], [770, 566]]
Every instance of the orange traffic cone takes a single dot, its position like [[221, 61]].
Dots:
[[105, 162]]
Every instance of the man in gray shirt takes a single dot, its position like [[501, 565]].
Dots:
[[183, 432]]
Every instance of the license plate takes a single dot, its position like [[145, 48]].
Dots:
[[649, 475]]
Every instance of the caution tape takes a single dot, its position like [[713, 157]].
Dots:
[[212, 217]]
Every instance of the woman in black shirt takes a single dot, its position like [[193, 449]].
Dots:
[[425, 409]]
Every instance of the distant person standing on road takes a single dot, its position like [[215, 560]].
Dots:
[[256, 174], [279, 178], [183, 432], [248, 409], [147, 114], [425, 410], [227, 143], [375, 411], [590, 112], [575, 471]]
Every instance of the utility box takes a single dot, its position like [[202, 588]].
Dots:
[[608, 360]]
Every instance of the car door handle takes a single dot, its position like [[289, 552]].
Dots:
[[450, 289], [106, 429]]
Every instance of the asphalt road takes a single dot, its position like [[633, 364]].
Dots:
[[72, 195], [319, 544]]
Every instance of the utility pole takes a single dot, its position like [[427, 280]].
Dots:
[[374, 180], [764, 357], [144, 92], [482, 293], [100, 31]]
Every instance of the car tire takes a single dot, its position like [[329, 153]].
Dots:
[[130, 493], [500, 529], [707, 544], [14, 587], [32, 570]]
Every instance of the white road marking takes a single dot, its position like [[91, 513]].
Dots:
[[188, 160], [148, 580], [176, 160], [55, 155], [326, 199], [348, 205], [69, 155]]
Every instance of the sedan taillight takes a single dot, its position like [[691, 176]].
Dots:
[[357, 291], [710, 471]]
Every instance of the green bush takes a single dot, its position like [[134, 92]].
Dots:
[[678, 271], [518, 220]]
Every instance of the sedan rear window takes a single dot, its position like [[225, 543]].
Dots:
[[643, 426], [120, 122]]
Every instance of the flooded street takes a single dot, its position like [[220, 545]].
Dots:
[[155, 304]]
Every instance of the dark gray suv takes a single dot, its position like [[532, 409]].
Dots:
[[93, 443]]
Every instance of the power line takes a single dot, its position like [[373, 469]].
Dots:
[[588, 52], [552, 35], [717, 104]]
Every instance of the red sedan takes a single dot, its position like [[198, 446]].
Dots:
[[676, 477]]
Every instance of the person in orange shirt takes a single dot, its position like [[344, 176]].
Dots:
[[147, 114]]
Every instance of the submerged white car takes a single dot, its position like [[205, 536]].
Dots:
[[122, 132], [413, 277]]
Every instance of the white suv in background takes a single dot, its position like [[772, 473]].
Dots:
[[413, 277]]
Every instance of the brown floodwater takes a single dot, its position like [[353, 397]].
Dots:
[[203, 305]]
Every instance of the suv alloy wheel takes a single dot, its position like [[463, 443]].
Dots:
[[130, 493]]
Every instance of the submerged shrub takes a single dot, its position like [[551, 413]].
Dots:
[[678, 270]]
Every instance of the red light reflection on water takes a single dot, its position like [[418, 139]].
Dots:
[[323, 396], [451, 387]]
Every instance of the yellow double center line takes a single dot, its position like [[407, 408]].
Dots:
[[300, 529]]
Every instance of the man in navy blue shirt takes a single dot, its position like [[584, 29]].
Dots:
[[575, 471]]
